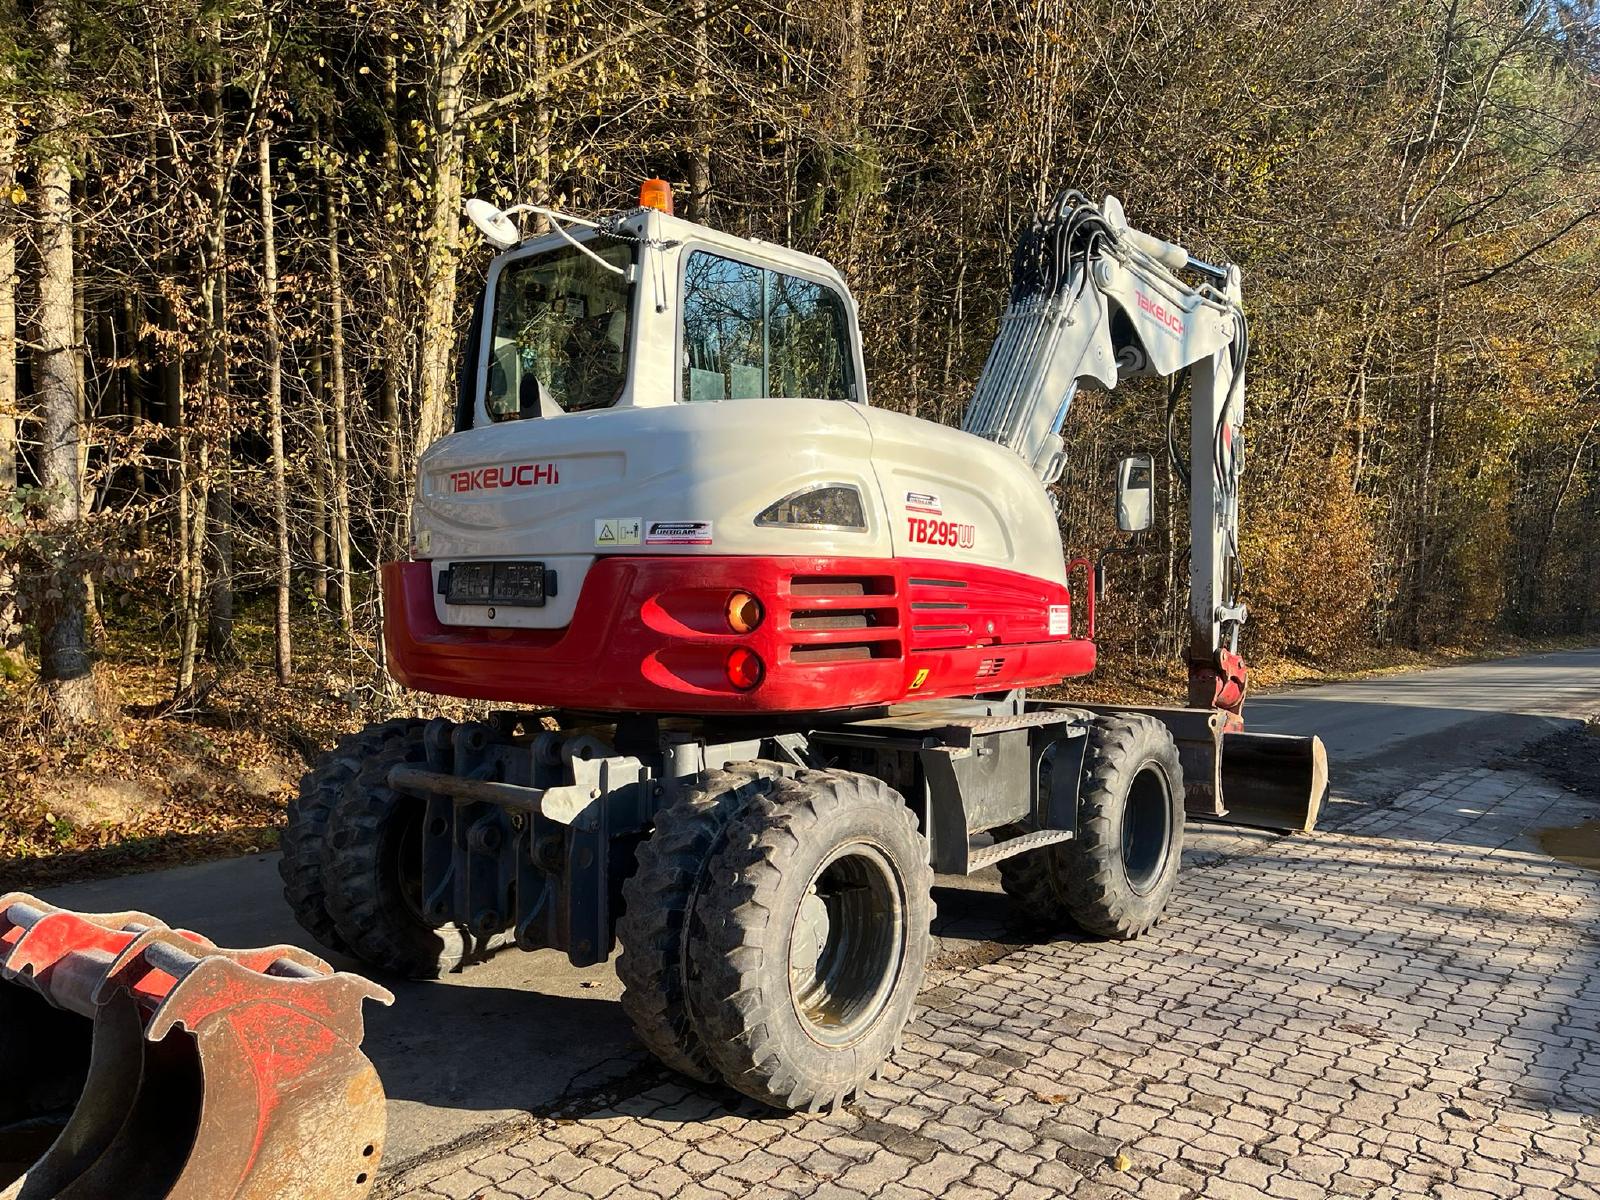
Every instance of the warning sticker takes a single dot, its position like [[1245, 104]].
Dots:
[[924, 502], [617, 531], [678, 533], [1060, 620]]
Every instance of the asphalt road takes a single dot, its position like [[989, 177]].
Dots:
[[516, 1034], [1387, 733]]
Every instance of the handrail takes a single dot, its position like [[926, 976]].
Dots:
[[1088, 587]]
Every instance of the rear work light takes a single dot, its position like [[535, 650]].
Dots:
[[744, 668], [744, 612]]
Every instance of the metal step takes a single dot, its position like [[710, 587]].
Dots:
[[989, 855]]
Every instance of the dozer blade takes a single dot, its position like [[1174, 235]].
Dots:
[[1273, 780], [197, 1073]]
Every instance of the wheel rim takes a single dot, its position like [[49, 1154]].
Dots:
[[846, 944], [1146, 829], [403, 851]]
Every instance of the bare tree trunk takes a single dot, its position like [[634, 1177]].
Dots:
[[1358, 386], [440, 237], [699, 121], [194, 502], [341, 437], [321, 473], [10, 622], [392, 528], [80, 338], [64, 662], [219, 623], [1430, 442], [539, 146], [180, 417], [135, 381], [282, 641]]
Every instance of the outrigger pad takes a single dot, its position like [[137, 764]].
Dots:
[[198, 1073], [1273, 780]]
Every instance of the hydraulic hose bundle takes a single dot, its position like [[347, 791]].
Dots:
[[1027, 384]]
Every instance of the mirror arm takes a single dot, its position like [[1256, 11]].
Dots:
[[1135, 545]]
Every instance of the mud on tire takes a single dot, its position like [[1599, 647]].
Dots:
[[305, 835], [1115, 877], [809, 939], [658, 899], [372, 864]]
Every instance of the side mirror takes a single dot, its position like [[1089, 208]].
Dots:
[[1136, 493]]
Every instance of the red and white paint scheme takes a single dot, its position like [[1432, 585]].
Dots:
[[646, 512], [974, 600]]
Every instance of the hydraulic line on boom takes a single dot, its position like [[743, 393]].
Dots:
[[1094, 301]]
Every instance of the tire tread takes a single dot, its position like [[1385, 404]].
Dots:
[[304, 835]]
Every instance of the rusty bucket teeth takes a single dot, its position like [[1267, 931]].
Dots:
[[146, 1063]]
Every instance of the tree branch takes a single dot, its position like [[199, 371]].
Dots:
[[1484, 277], [488, 109]]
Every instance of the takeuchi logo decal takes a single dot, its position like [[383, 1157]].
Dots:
[[1169, 320], [518, 476]]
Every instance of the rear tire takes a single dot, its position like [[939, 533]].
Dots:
[[1114, 879], [809, 939], [373, 863], [657, 901], [305, 835]]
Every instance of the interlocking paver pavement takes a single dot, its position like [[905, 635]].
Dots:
[[1406, 1006]]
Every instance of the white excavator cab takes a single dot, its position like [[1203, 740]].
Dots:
[[652, 388], [650, 310]]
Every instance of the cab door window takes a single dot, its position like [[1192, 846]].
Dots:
[[559, 336], [749, 332]]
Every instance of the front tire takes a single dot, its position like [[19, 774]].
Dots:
[[1115, 877], [809, 940]]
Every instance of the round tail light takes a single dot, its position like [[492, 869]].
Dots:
[[744, 668], [744, 612]]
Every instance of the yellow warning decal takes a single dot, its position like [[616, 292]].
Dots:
[[617, 531], [920, 678]]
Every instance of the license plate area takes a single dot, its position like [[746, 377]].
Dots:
[[514, 584]]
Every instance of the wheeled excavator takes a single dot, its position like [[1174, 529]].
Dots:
[[762, 653]]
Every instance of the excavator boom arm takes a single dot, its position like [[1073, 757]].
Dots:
[[1095, 302]]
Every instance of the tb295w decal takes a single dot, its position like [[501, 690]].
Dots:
[[941, 533]]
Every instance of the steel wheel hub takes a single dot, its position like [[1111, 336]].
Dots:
[[846, 944]]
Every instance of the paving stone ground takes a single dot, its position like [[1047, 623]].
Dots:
[[1408, 1006]]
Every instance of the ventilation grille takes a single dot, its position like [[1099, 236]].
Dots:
[[853, 652], [843, 618]]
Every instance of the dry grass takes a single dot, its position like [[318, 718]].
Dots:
[[168, 782]]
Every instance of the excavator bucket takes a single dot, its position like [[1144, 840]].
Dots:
[[141, 1062], [1272, 780], [1264, 780]]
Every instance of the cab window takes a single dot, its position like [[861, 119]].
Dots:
[[559, 333], [750, 332]]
